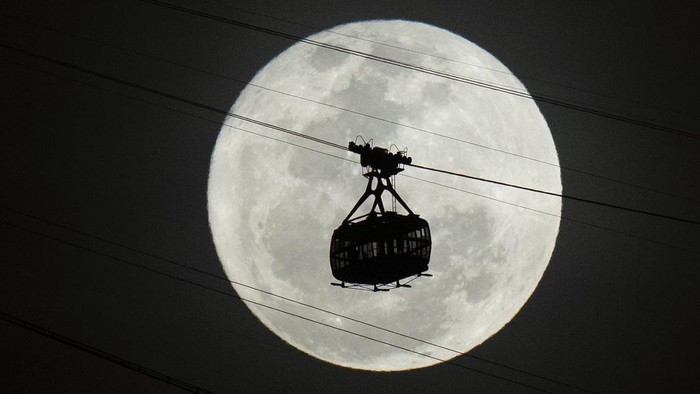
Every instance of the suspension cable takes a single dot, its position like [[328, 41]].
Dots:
[[426, 70], [316, 139]]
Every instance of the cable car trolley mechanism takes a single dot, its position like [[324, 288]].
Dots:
[[377, 250]]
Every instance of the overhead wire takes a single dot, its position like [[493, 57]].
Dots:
[[337, 145], [288, 299], [429, 71], [99, 353], [338, 157], [218, 125], [170, 96], [359, 113], [323, 153], [548, 193], [263, 305], [562, 217], [207, 107], [320, 140], [431, 55]]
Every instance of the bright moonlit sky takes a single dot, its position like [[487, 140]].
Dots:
[[612, 313]]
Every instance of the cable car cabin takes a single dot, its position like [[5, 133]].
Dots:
[[382, 247]]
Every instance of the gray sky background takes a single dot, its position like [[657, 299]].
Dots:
[[613, 313]]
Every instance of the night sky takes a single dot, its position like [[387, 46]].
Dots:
[[93, 172]]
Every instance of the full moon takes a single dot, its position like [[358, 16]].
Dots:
[[274, 199]]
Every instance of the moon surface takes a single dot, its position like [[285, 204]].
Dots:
[[274, 199]]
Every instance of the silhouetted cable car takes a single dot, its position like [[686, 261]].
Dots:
[[379, 249]]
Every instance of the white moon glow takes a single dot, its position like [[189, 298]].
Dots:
[[273, 205]]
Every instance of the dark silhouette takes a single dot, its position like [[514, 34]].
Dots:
[[376, 250]]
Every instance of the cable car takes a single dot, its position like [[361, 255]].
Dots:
[[377, 250]]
